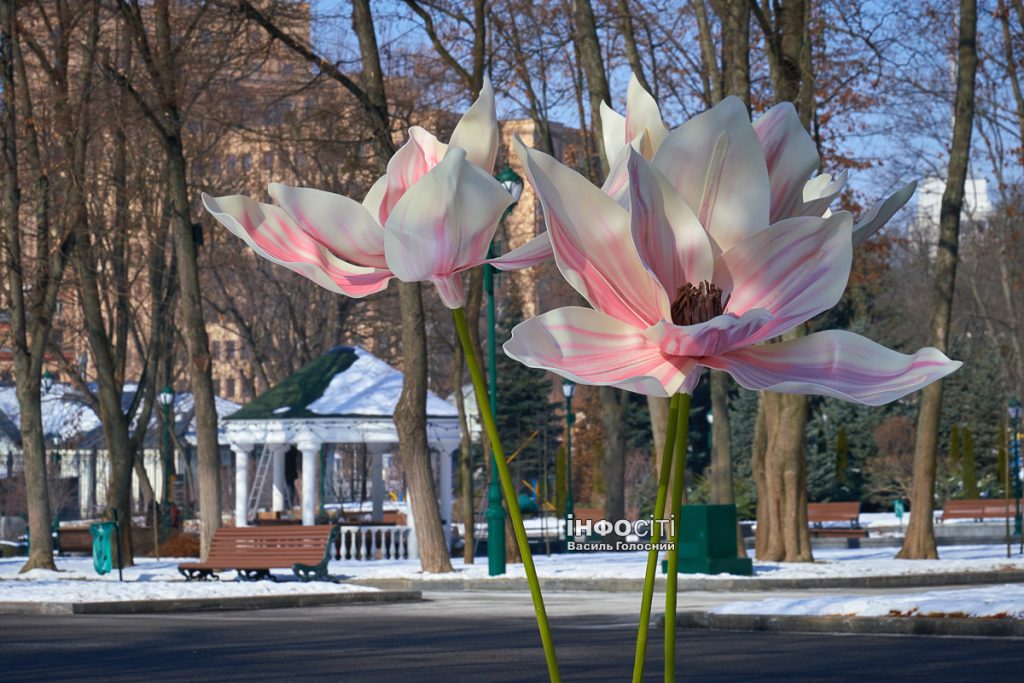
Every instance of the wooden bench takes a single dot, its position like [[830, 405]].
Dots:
[[977, 509], [254, 551], [74, 539], [820, 513]]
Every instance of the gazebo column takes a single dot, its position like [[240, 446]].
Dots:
[[280, 485], [241, 483], [377, 481], [310, 449]]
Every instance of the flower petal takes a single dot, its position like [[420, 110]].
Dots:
[[613, 131], [530, 254], [275, 236], [342, 225], [445, 222], [477, 131], [592, 242], [421, 152], [819, 193], [716, 336], [375, 195], [715, 162], [668, 236], [642, 114], [880, 213], [791, 156], [795, 270], [590, 347], [835, 363]]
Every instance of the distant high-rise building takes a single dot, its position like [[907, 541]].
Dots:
[[977, 207]]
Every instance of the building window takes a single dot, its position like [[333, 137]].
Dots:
[[229, 387], [232, 163], [268, 160], [216, 350], [229, 350], [216, 387], [247, 162]]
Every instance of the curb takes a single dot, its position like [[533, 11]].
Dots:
[[908, 626], [705, 584], [210, 604]]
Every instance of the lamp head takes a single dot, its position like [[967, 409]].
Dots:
[[166, 396], [568, 388], [511, 181]]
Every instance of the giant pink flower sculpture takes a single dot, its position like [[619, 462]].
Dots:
[[790, 154], [430, 218], [695, 273]]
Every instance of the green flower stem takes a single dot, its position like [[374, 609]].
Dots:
[[671, 581], [509, 490], [652, 555]]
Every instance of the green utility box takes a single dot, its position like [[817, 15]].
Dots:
[[707, 542]]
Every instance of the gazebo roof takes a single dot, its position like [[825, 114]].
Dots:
[[344, 382]]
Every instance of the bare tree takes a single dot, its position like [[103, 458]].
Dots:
[[920, 539]]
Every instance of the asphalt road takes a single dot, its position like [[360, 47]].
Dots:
[[463, 637]]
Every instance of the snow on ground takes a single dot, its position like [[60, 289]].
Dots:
[[833, 563], [1005, 601], [77, 581], [152, 579]]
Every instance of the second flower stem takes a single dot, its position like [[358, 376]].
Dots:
[[652, 554], [671, 581], [508, 489]]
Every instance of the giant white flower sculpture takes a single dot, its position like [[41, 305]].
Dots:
[[693, 270], [430, 218]]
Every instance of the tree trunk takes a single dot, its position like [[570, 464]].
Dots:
[[785, 481], [920, 539], [788, 45], [759, 452], [613, 452], [410, 421], [593, 67]]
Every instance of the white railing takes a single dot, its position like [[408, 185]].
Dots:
[[373, 542]]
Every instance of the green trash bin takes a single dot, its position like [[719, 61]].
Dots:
[[707, 541], [102, 546]]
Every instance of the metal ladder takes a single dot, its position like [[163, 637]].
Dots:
[[259, 481]]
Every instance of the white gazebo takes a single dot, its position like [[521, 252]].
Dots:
[[345, 396]]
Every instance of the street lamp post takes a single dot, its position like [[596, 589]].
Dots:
[[568, 389], [513, 184], [1014, 411], [166, 400]]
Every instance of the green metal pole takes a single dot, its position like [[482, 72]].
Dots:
[[570, 418], [495, 512], [1017, 483], [167, 463]]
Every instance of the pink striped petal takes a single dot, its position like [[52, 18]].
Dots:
[[342, 225], [795, 270], [421, 152], [880, 213], [718, 335], [590, 347], [477, 131], [791, 156], [530, 254], [715, 162], [835, 363], [642, 114], [669, 238], [275, 236], [445, 222], [613, 131], [592, 242]]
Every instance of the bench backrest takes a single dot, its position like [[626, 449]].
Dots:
[[279, 546], [976, 508], [833, 512]]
